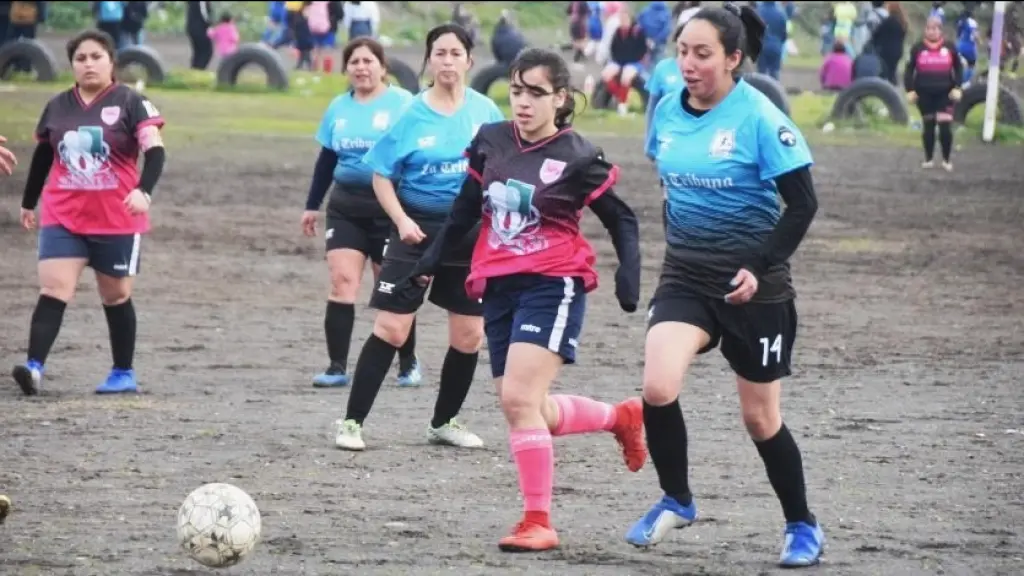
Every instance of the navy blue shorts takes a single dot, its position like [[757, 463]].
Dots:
[[114, 255], [542, 310]]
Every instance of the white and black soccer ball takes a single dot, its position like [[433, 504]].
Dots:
[[218, 525]]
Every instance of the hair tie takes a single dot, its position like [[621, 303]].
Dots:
[[733, 8]]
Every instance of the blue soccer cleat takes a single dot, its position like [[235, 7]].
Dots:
[[412, 377], [666, 515], [803, 545], [28, 376], [333, 377], [119, 382]]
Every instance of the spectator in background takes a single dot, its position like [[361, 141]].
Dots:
[[579, 13], [198, 15], [507, 41], [363, 19], [828, 32], [967, 40], [774, 42], [845, 14], [304, 42], [318, 15], [134, 22], [109, 18], [23, 18], [276, 32], [656, 22], [224, 36], [837, 69], [888, 39]]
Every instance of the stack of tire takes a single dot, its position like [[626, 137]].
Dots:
[[39, 59]]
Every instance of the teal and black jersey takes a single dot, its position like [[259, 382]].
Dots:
[[424, 152], [350, 128], [719, 169]]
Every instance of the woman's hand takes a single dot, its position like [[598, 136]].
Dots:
[[137, 202], [746, 286], [309, 223], [409, 231]]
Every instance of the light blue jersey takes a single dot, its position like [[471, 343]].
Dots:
[[665, 78], [425, 149], [351, 128], [718, 170]]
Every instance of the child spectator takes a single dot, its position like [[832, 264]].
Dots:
[[837, 69], [224, 36]]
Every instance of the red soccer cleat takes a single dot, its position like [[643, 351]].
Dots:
[[629, 432], [529, 536]]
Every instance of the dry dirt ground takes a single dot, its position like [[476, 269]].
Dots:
[[906, 397]]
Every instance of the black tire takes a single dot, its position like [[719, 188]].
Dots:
[[31, 52], [771, 88], [254, 53], [147, 58], [603, 100], [1011, 110], [845, 105], [405, 75], [486, 78]]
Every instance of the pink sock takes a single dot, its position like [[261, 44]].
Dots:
[[535, 459], [579, 415]]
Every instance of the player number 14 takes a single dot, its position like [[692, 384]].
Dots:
[[771, 346]]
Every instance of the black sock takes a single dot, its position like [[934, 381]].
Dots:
[[407, 353], [928, 137], [338, 323], [456, 378], [121, 323], [46, 321], [666, 441], [786, 473], [946, 140], [371, 369]]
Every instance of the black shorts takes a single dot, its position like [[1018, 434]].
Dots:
[[366, 235], [578, 30], [447, 290], [932, 103], [756, 339]]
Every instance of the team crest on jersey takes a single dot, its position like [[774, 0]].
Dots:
[[86, 159], [381, 120], [722, 144], [339, 124], [515, 221], [786, 137], [110, 115], [551, 170]]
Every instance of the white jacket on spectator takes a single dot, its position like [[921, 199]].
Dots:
[[364, 11]]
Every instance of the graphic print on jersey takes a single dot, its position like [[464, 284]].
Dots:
[[515, 221], [86, 157]]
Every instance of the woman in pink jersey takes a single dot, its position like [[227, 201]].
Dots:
[[95, 204]]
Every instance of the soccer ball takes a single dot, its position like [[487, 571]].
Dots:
[[218, 525]]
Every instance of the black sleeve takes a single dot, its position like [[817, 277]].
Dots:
[[958, 65], [38, 170], [323, 174], [152, 167], [621, 223], [464, 215], [910, 68], [797, 191]]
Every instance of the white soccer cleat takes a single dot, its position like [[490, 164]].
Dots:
[[349, 436], [947, 166], [454, 434]]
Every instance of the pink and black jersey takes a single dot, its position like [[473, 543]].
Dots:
[[95, 164], [933, 68], [534, 195]]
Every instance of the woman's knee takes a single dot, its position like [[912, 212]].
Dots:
[[669, 350], [393, 328], [465, 333], [519, 398], [58, 279], [346, 270], [760, 408], [113, 291]]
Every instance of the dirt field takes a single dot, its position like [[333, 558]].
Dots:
[[906, 399]]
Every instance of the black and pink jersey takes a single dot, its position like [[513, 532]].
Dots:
[[933, 68], [95, 164], [534, 194]]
